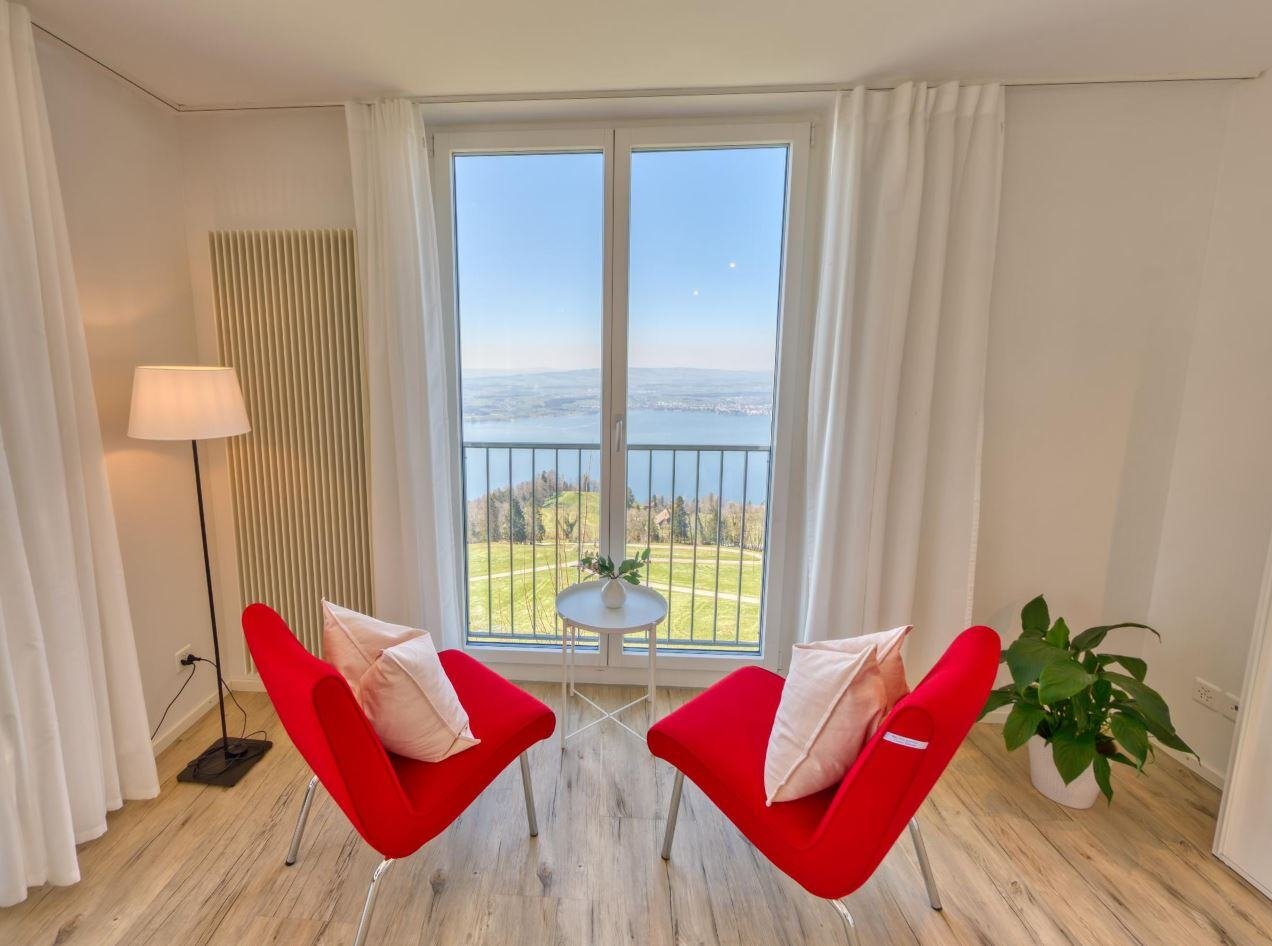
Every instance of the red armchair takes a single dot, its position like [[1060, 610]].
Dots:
[[396, 804], [831, 842]]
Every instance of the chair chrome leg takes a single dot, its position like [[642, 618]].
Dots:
[[301, 821], [850, 926], [529, 790], [372, 891], [672, 812], [920, 849]]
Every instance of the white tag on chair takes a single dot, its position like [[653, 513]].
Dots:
[[904, 741]]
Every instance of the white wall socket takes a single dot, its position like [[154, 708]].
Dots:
[[1207, 694], [183, 653]]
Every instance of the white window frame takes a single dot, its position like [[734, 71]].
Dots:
[[616, 142]]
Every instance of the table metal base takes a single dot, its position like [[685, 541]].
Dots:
[[569, 643]]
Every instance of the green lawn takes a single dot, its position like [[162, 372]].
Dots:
[[513, 589]]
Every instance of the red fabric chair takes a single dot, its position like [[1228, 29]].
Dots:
[[396, 804], [831, 842]]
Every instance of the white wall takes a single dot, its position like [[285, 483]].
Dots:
[[1107, 194], [120, 169], [1218, 515], [267, 169]]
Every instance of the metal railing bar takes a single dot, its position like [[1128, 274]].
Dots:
[[727, 447], [693, 580], [715, 605], [671, 551], [534, 552], [663, 447], [746, 468], [556, 536], [512, 565], [490, 582], [540, 445], [649, 510], [768, 485], [578, 525]]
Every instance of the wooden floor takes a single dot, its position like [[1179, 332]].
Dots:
[[205, 865]]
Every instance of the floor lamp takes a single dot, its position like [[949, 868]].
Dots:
[[189, 402]]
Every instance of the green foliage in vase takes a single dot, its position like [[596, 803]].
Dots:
[[1092, 708], [628, 570]]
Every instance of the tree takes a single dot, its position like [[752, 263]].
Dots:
[[708, 519], [495, 526], [637, 526], [517, 521], [568, 522], [679, 520]]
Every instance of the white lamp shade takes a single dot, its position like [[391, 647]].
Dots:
[[186, 402]]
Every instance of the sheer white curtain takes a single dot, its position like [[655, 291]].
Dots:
[[411, 374], [898, 363], [74, 740]]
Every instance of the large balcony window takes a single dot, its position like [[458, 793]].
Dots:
[[618, 302]]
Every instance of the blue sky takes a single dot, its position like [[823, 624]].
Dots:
[[706, 243]]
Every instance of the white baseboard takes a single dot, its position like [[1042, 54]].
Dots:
[[1208, 772], [1202, 768], [170, 735]]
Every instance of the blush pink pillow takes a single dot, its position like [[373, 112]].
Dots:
[[412, 704], [831, 704], [351, 641], [887, 645]]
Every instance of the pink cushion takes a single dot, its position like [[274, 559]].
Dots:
[[351, 641], [412, 705], [887, 645], [831, 704]]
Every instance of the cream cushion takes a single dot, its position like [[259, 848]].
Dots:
[[887, 645], [351, 641], [412, 704], [832, 702]]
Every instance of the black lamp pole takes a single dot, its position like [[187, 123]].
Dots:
[[227, 760]]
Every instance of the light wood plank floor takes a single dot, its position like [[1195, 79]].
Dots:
[[205, 865]]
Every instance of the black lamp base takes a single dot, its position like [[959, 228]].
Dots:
[[225, 763]]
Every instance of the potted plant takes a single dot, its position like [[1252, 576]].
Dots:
[[628, 570], [1092, 709]]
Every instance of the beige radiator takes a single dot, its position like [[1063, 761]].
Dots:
[[287, 320]]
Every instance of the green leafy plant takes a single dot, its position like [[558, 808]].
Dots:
[[628, 570], [1092, 708]]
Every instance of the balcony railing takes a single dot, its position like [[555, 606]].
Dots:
[[533, 509]]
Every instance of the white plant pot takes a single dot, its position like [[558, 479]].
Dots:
[[1080, 793], [613, 594]]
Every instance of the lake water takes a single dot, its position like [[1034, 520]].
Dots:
[[715, 471]]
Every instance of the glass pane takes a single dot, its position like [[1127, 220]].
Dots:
[[704, 289], [529, 277]]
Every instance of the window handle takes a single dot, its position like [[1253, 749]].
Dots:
[[617, 440]]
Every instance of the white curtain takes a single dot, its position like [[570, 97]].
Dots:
[[74, 740], [411, 374], [898, 363]]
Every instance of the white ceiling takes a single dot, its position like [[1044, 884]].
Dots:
[[245, 52]]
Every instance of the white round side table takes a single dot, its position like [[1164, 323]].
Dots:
[[581, 608]]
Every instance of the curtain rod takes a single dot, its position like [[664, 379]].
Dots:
[[683, 92]]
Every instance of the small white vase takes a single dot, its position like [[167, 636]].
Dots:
[[613, 594], [1080, 793]]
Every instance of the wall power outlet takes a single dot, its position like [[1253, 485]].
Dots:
[[182, 654], [1207, 694]]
